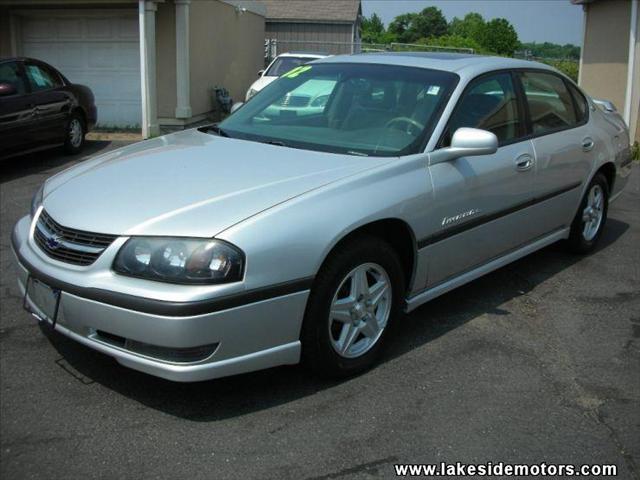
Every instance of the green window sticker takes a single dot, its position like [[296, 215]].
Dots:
[[297, 71]]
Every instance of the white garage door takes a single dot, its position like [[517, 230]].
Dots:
[[99, 50]]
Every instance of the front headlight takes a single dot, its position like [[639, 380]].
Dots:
[[36, 201], [180, 260]]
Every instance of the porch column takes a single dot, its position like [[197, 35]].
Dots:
[[631, 63], [183, 105], [150, 38]]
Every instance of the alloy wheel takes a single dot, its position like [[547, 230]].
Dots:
[[593, 213], [75, 133], [360, 310]]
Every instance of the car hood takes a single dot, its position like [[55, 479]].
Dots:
[[188, 184], [262, 82]]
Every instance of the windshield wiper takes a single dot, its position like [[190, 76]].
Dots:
[[359, 154], [276, 142], [217, 130]]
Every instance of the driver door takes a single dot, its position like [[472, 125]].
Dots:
[[478, 211], [16, 110]]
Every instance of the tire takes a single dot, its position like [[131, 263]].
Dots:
[[588, 224], [322, 348], [74, 134]]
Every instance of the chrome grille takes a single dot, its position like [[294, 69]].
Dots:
[[295, 101], [67, 244]]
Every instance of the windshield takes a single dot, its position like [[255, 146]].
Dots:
[[284, 64], [360, 109]]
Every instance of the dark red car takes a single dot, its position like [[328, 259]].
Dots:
[[40, 108]]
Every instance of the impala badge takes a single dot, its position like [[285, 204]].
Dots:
[[456, 218]]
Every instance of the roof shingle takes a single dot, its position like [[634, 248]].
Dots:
[[312, 10]]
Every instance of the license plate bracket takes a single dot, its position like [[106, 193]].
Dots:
[[41, 301]]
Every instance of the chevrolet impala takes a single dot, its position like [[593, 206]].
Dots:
[[279, 236]]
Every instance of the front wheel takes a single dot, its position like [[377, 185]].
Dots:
[[356, 298], [74, 140], [588, 223]]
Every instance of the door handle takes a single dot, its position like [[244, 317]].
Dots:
[[524, 162], [587, 144]]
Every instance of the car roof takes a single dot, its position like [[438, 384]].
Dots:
[[464, 64], [21, 59], [303, 55]]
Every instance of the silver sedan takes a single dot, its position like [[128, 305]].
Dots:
[[282, 235]]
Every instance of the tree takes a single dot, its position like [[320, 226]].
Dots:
[[400, 27], [552, 50], [429, 23], [410, 27], [499, 36], [372, 29], [471, 26], [453, 41]]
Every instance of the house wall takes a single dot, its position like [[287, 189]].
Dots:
[[606, 50], [166, 60], [226, 49], [312, 37]]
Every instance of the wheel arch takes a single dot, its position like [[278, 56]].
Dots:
[[394, 231], [83, 115], [608, 169]]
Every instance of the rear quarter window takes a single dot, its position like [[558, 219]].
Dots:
[[582, 107]]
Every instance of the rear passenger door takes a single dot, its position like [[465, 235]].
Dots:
[[564, 147], [479, 209], [52, 103]]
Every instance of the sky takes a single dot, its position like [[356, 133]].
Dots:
[[556, 21]]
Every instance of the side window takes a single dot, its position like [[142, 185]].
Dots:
[[550, 103], [41, 78], [489, 103], [10, 73], [581, 104]]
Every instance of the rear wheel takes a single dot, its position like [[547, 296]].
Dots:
[[74, 140], [356, 298], [589, 222]]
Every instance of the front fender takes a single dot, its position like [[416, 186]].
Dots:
[[291, 241]]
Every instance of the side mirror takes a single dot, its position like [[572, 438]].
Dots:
[[7, 89], [260, 72], [466, 142], [236, 106], [605, 104]]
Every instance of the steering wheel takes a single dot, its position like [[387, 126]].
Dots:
[[410, 122]]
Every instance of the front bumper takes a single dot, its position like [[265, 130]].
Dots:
[[262, 333]]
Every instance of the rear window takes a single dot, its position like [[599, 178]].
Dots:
[[41, 77], [282, 65]]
